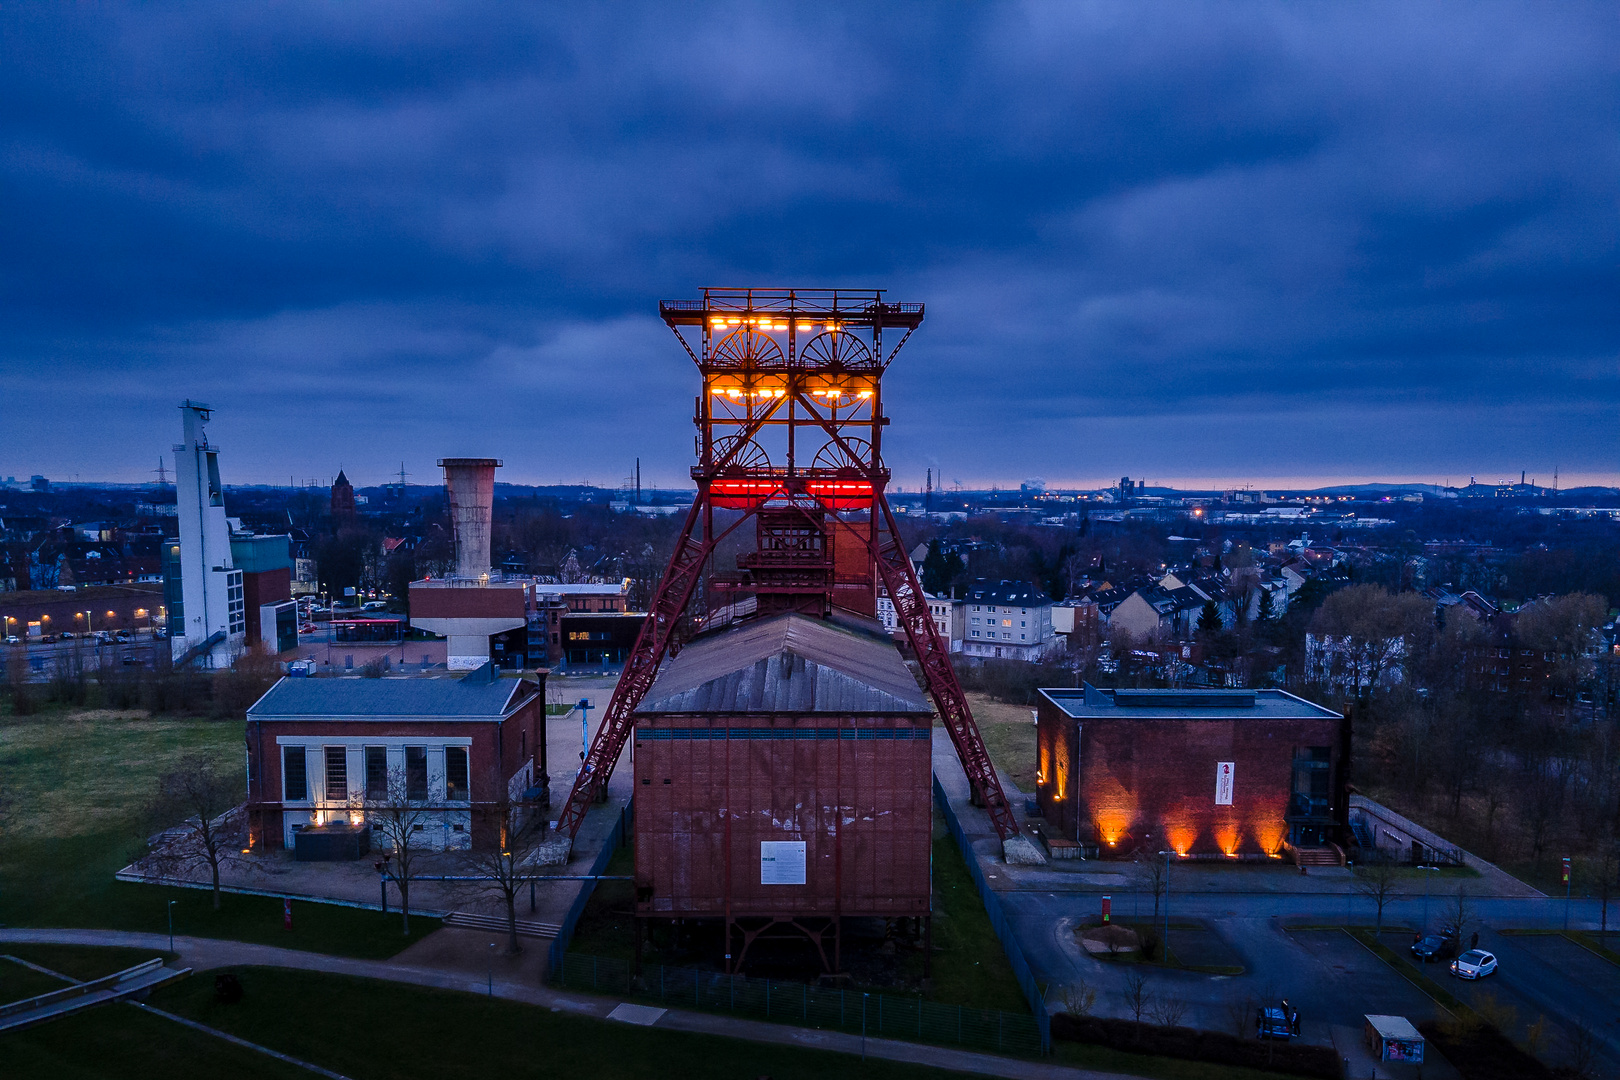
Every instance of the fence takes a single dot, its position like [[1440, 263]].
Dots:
[[615, 840], [998, 921], [885, 1015]]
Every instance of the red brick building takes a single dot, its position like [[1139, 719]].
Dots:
[[783, 771], [1199, 772], [321, 749]]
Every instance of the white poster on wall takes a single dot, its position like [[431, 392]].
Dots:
[[781, 862], [1223, 783]]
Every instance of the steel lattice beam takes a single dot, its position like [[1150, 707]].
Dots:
[[911, 611]]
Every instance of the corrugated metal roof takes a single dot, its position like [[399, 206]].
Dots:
[[788, 663], [373, 699]]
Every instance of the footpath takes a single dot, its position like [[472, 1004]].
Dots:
[[203, 954]]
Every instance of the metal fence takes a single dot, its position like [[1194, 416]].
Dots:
[[885, 1015], [998, 921]]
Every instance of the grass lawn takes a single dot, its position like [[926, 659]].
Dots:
[[1009, 736], [970, 967], [363, 1029], [79, 779], [82, 962]]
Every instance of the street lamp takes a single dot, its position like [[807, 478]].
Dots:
[[492, 969], [171, 926]]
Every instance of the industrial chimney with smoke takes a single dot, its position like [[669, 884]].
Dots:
[[470, 485]]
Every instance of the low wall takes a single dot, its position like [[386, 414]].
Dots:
[[1395, 833], [998, 921], [559, 944]]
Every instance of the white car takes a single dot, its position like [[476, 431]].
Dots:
[[1474, 964]]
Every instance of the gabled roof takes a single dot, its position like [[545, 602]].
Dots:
[[408, 698], [788, 663], [341, 479]]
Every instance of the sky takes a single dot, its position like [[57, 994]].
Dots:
[[1197, 243]]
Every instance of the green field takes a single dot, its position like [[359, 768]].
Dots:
[[363, 1028], [79, 780]]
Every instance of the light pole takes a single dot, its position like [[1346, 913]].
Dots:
[[492, 969], [1424, 929], [863, 1025], [171, 926], [1165, 943]]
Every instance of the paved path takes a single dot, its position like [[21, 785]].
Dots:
[[202, 954]]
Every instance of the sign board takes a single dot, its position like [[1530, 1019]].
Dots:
[[1223, 783], [781, 862], [1566, 871], [1108, 910], [286, 914]]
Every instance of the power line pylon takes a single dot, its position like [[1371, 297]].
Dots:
[[790, 425]]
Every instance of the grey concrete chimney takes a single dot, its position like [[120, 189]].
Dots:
[[470, 485]]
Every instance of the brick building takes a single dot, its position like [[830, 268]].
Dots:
[[321, 749], [1201, 772]]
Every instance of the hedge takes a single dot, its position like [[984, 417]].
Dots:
[[1483, 1054], [1192, 1045]]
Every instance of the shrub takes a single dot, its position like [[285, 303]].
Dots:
[[1193, 1045], [1483, 1054]]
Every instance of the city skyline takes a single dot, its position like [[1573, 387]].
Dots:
[[1260, 243]]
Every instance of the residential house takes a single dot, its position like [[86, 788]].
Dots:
[[1007, 619]]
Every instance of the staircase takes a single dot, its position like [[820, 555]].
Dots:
[[1328, 855], [494, 924]]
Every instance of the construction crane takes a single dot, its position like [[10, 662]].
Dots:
[[790, 424]]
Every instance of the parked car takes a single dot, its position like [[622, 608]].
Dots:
[[1432, 947], [1474, 964], [129, 660], [66, 635], [125, 635], [1276, 1022], [13, 639], [307, 628]]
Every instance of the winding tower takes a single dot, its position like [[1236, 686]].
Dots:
[[789, 436]]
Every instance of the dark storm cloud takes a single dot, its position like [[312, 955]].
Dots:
[[1177, 240]]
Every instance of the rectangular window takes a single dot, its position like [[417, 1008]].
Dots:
[[455, 774], [337, 774], [416, 779], [376, 773], [294, 781]]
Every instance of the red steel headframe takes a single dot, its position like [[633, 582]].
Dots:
[[759, 387]]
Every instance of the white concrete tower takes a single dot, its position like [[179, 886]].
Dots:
[[213, 624]]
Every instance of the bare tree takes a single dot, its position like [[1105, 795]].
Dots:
[[1606, 878], [398, 817], [1580, 1050], [1079, 999], [202, 797], [1168, 1011], [505, 868], [1457, 917], [1240, 1009], [1153, 874], [1376, 881], [1138, 998]]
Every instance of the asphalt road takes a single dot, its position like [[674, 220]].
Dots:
[[1329, 976], [44, 658]]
